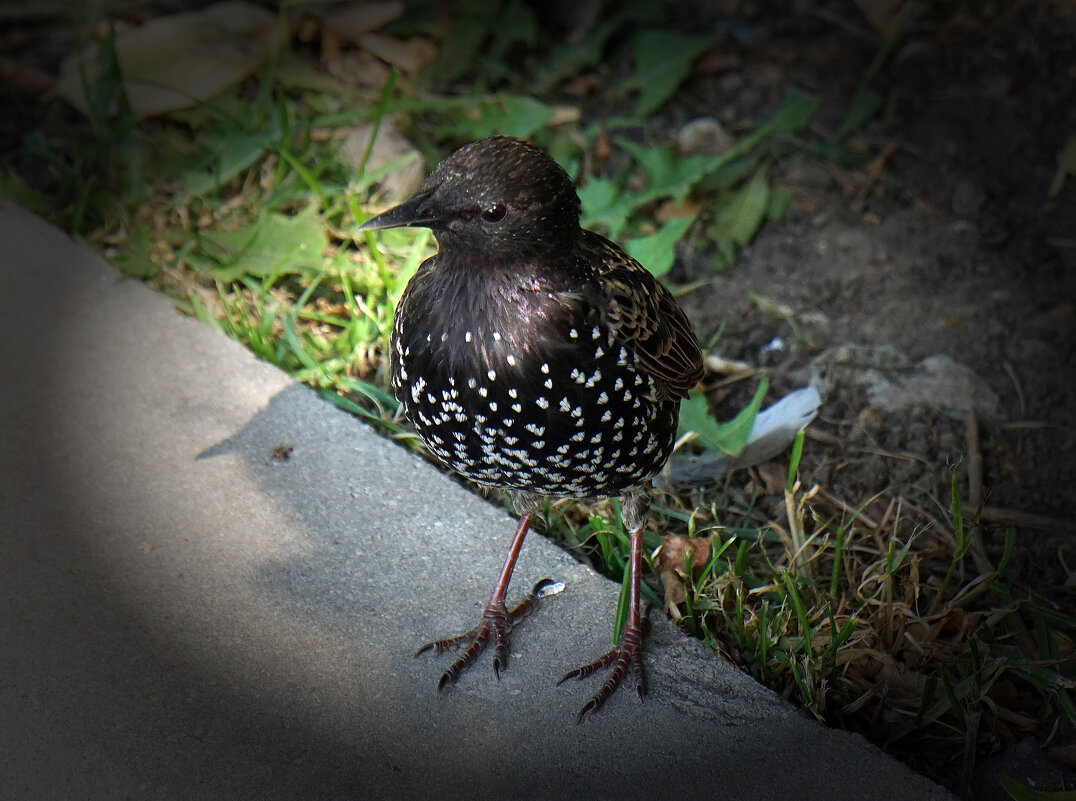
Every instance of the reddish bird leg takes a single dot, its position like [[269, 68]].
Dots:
[[628, 651], [497, 620]]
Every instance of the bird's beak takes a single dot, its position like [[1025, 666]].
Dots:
[[417, 210]]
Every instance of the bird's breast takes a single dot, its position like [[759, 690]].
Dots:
[[520, 386]]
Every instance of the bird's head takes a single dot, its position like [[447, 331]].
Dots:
[[499, 196]]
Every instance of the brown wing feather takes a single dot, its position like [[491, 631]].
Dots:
[[645, 317]]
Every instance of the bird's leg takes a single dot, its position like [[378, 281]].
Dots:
[[496, 620], [628, 651]]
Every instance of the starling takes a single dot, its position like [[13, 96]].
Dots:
[[536, 356]]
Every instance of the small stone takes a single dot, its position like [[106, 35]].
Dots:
[[389, 144], [703, 135]]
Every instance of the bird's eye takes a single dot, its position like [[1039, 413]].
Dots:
[[495, 213]]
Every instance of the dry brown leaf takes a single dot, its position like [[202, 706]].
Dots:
[[669, 563], [715, 61], [360, 68], [564, 114], [388, 145], [349, 23], [670, 210], [602, 148], [582, 86], [771, 478], [410, 55], [180, 60]]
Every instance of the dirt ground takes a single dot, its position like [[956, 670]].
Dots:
[[951, 247]]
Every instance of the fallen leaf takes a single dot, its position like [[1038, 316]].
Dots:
[[739, 219], [349, 23], [657, 252], [727, 437], [390, 144], [410, 55], [562, 115], [360, 68], [770, 478], [602, 148], [274, 244], [582, 86], [663, 60], [671, 210], [180, 60], [669, 563]]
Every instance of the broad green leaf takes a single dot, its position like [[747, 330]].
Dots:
[[13, 187], [724, 255], [1021, 792], [276, 243], [512, 115], [864, 105], [462, 40], [729, 173], [234, 153], [522, 116], [292, 72], [571, 58], [600, 198], [729, 437], [516, 24], [740, 217], [663, 60], [778, 203], [134, 258], [793, 114], [657, 252], [669, 174]]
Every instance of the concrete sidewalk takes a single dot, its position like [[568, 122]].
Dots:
[[185, 617]]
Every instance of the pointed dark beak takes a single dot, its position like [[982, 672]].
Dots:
[[416, 211]]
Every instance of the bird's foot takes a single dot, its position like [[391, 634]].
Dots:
[[627, 654], [496, 621]]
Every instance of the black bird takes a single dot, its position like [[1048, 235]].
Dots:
[[536, 356]]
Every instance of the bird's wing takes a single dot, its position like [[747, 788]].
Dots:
[[645, 317]]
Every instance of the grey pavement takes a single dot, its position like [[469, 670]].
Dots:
[[186, 617]]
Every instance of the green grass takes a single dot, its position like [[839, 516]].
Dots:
[[243, 211]]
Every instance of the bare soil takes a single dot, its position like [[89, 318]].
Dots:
[[946, 244]]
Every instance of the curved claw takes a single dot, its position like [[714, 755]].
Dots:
[[627, 653], [496, 620]]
